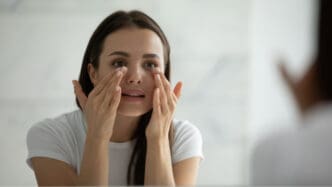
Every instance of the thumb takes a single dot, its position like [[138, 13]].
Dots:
[[286, 76], [79, 94], [178, 89]]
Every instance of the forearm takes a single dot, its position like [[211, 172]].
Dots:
[[95, 163], [158, 167]]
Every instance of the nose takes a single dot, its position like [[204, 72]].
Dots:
[[133, 76]]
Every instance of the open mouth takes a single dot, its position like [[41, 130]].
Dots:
[[133, 94], [130, 95]]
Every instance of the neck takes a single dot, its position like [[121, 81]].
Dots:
[[124, 128]]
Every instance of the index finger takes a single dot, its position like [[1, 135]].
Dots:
[[156, 71], [101, 85], [286, 76]]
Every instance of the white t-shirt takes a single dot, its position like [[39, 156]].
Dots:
[[63, 138]]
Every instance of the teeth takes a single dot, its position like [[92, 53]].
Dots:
[[133, 95]]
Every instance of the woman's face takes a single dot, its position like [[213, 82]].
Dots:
[[138, 52]]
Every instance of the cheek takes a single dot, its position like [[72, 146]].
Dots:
[[149, 85], [104, 71]]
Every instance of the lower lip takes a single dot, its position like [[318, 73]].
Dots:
[[132, 99]]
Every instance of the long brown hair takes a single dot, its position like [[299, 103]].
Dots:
[[116, 21], [324, 54]]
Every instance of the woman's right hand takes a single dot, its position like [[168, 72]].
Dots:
[[306, 89], [100, 107]]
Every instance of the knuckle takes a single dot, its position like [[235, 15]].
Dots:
[[167, 86], [92, 93], [172, 106]]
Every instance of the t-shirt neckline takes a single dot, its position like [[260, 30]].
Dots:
[[121, 145]]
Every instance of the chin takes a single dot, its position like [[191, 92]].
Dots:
[[132, 112]]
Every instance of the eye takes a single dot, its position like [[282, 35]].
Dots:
[[150, 65], [118, 63]]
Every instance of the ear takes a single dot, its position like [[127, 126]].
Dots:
[[93, 74]]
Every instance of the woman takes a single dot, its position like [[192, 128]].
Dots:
[[125, 132], [302, 155]]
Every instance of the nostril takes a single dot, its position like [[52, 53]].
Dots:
[[133, 81]]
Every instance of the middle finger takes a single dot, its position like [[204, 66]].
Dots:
[[112, 87], [163, 96], [112, 83], [168, 90]]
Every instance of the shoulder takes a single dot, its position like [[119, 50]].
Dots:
[[58, 134], [185, 129], [184, 126], [273, 145], [61, 124], [277, 157], [187, 141], [66, 129], [55, 137]]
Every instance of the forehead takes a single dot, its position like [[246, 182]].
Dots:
[[134, 41]]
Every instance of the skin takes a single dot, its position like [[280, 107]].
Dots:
[[305, 90], [131, 58]]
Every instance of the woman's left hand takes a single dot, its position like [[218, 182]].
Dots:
[[164, 103]]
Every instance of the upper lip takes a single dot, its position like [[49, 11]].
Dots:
[[133, 92]]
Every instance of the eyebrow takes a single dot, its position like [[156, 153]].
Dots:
[[150, 55], [122, 53]]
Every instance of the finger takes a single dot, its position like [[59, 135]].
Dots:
[[156, 70], [167, 88], [109, 86], [178, 89], [177, 92], [101, 85], [162, 93], [174, 98], [113, 106], [118, 78], [81, 97], [285, 74], [110, 92], [287, 77], [156, 101]]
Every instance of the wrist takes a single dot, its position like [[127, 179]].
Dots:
[[99, 134], [97, 138], [158, 141], [158, 136]]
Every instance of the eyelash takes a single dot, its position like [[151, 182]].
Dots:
[[115, 63], [120, 63], [155, 65]]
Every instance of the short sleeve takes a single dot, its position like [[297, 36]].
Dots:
[[188, 142], [44, 139]]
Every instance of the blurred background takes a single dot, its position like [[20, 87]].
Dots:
[[225, 52]]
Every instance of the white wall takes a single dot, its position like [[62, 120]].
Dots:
[[230, 100], [42, 44], [279, 29]]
